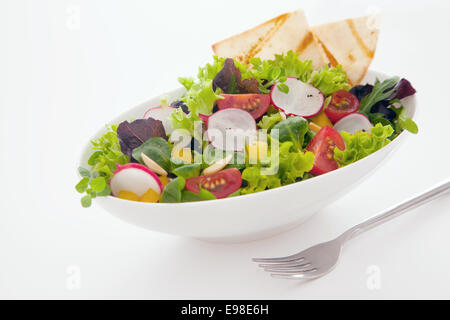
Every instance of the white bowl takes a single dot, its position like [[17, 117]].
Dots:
[[247, 217]]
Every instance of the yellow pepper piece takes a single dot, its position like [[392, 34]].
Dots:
[[314, 127], [322, 120], [257, 150], [150, 196], [164, 180], [184, 154], [128, 195]]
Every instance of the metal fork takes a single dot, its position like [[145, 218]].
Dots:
[[320, 259]]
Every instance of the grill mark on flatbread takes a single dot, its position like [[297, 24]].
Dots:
[[306, 41], [257, 47], [358, 39], [329, 55]]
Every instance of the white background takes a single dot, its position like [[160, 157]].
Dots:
[[61, 80]]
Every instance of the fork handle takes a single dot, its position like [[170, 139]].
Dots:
[[397, 210]]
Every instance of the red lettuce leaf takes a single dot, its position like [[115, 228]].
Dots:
[[403, 89], [229, 79], [132, 135]]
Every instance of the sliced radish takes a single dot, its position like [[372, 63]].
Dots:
[[230, 129], [162, 114], [302, 99], [353, 123], [136, 178]]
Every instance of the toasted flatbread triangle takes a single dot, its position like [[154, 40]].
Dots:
[[289, 31], [351, 43]]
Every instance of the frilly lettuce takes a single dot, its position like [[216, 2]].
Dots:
[[200, 99], [292, 165], [329, 80], [362, 144], [258, 182], [267, 122], [284, 65], [326, 79]]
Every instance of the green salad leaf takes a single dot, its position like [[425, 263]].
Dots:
[[157, 149], [269, 72], [257, 182], [188, 170], [103, 161], [212, 155], [202, 195], [402, 121], [362, 144], [293, 164], [329, 80], [292, 129], [268, 121], [380, 91], [201, 97], [173, 191]]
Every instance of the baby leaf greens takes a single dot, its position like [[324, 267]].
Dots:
[[362, 144], [157, 149], [107, 154], [191, 166], [379, 103], [172, 192], [292, 129], [132, 135]]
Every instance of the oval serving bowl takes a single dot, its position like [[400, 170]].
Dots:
[[247, 217]]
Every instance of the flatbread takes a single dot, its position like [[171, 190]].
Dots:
[[351, 43], [290, 31]]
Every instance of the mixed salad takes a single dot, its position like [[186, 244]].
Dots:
[[240, 129]]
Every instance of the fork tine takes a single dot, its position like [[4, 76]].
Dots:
[[303, 271], [290, 258], [289, 270], [298, 276], [300, 262]]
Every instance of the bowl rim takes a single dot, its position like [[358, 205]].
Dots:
[[392, 144]]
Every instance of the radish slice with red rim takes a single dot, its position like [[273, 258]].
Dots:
[[230, 129], [302, 99], [353, 123], [162, 114], [136, 178]]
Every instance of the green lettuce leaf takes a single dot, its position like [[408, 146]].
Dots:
[[293, 164], [188, 170], [157, 149], [380, 91], [173, 191], [201, 97], [257, 182], [362, 144], [103, 161], [267, 122], [292, 129], [329, 80], [202, 195]]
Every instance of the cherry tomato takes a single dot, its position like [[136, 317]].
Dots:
[[255, 104], [342, 104], [322, 145], [220, 184]]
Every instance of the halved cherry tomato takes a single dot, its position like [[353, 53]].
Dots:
[[342, 104], [255, 104], [220, 184], [322, 145]]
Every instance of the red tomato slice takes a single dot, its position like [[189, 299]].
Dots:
[[255, 104], [220, 184], [342, 104], [322, 145]]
